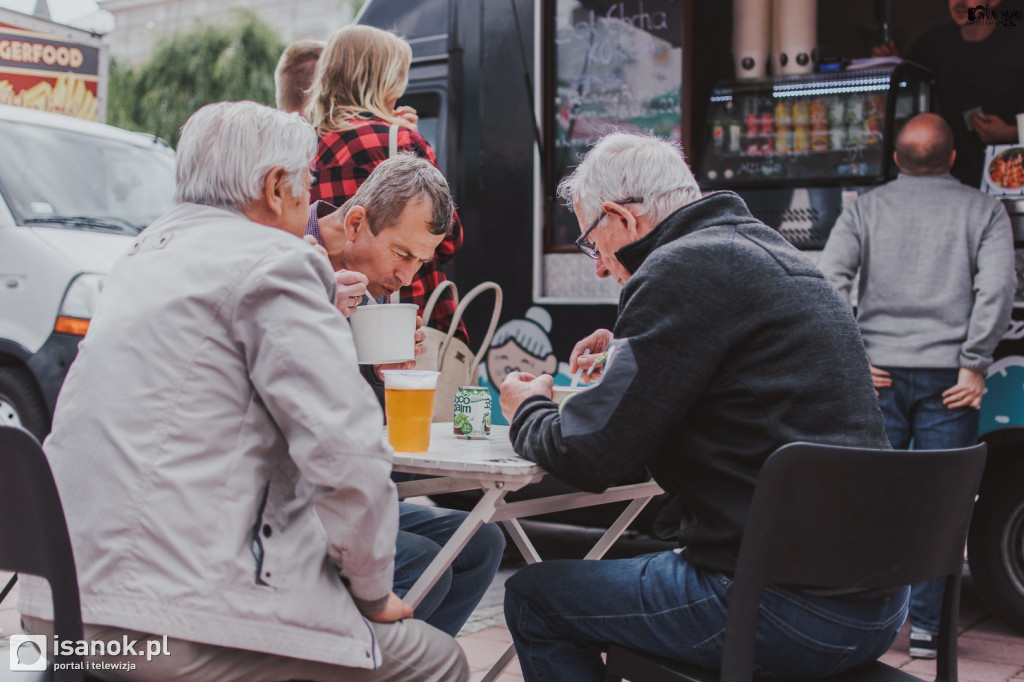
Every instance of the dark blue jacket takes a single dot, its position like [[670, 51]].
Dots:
[[729, 343]]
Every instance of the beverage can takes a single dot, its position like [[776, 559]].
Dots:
[[855, 109], [801, 113], [718, 135], [855, 135], [783, 140], [472, 415], [836, 112], [819, 139], [735, 141], [801, 139], [819, 113], [837, 137], [872, 130], [783, 113], [876, 106]]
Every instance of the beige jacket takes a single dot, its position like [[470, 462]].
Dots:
[[214, 404]]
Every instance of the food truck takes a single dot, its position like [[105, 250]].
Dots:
[[52, 67], [510, 93]]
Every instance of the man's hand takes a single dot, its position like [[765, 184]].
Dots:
[[885, 50], [518, 386], [311, 240], [351, 289], [597, 343], [394, 610], [994, 130], [419, 336], [880, 378], [967, 392]]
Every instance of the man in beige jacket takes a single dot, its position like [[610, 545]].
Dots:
[[218, 455]]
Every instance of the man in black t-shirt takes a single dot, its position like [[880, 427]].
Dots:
[[978, 64]]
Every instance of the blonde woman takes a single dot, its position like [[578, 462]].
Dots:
[[359, 78]]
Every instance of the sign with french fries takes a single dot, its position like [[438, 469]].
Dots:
[[58, 71]]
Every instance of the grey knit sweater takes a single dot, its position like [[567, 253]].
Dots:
[[936, 272]]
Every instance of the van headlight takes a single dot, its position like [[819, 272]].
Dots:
[[79, 305]]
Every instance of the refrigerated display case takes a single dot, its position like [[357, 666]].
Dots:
[[796, 147]]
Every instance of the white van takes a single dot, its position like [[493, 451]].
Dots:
[[73, 195]]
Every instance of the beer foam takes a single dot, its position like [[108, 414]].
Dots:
[[410, 379]]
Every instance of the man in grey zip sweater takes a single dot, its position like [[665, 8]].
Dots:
[[936, 289]]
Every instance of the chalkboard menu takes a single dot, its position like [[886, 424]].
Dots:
[[610, 66]]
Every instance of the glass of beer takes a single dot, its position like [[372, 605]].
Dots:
[[409, 406]]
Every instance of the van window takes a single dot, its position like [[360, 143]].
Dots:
[[49, 173], [428, 108]]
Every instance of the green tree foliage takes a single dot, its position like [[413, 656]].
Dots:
[[210, 63]]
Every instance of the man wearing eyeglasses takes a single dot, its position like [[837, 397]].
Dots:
[[728, 344]]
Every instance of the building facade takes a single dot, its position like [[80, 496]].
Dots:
[[140, 24]]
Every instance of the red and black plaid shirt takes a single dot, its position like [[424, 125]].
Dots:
[[344, 160]]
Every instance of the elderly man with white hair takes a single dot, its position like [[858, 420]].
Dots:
[[729, 343], [218, 454]]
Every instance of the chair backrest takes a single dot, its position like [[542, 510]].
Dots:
[[34, 538], [829, 516]]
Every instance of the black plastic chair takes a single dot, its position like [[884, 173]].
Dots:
[[826, 516], [34, 539]]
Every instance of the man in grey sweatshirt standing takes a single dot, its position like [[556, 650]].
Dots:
[[936, 289]]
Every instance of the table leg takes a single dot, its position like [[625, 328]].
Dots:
[[476, 518], [522, 542], [617, 528], [499, 667], [529, 552]]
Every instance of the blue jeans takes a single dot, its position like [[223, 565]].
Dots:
[[914, 415], [563, 614], [422, 531]]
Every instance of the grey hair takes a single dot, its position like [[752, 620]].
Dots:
[[395, 182], [226, 150], [625, 165]]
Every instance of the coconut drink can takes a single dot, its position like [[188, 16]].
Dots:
[[472, 416]]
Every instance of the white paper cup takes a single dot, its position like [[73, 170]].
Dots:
[[560, 393], [384, 334]]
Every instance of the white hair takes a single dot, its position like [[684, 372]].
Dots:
[[227, 149], [624, 165]]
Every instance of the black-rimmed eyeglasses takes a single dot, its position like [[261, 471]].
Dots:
[[584, 243]]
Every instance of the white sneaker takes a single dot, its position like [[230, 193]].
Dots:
[[923, 645]]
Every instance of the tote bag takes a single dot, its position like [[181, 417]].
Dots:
[[458, 365]]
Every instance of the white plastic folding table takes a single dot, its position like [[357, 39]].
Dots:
[[489, 464]]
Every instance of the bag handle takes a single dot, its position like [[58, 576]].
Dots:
[[392, 140], [435, 296], [473, 293], [396, 296]]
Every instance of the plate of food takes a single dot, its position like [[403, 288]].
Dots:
[[1005, 171]]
